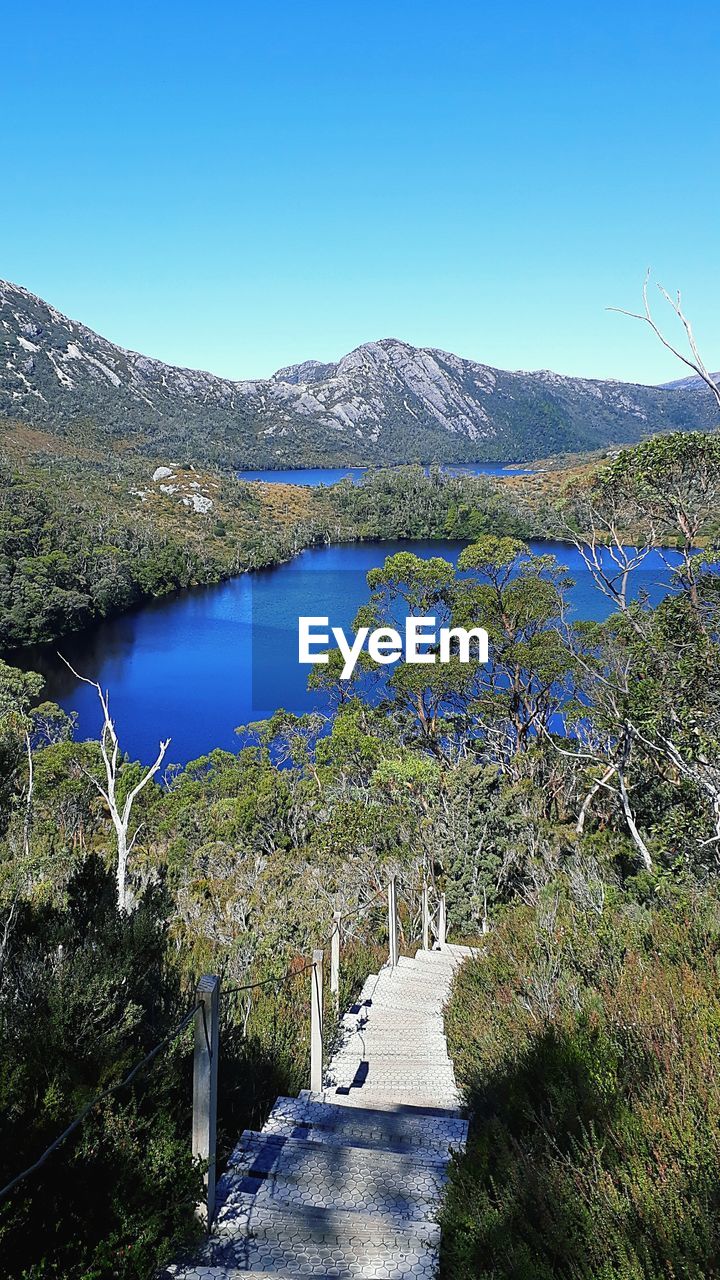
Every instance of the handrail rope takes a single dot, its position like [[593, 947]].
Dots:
[[357, 911], [289, 975], [265, 982], [294, 973], [106, 1093]]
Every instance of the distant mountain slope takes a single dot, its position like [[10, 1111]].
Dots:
[[384, 402], [692, 381]]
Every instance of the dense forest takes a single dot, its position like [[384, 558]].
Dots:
[[566, 799]]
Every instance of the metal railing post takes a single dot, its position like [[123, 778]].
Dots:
[[425, 919], [205, 1074], [442, 922], [392, 922], [335, 957], [316, 1023]]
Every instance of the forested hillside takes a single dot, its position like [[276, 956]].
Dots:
[[84, 537]]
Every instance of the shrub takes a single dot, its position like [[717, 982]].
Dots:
[[588, 1049]]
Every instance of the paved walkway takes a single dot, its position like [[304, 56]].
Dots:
[[347, 1183]]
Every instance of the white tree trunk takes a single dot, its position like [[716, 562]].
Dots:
[[113, 762]]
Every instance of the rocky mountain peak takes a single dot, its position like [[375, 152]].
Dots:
[[384, 402]]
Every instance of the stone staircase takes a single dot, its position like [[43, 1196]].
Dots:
[[348, 1183]]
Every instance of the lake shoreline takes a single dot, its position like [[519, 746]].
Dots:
[[178, 593], [196, 665]]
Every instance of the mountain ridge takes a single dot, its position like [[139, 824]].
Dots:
[[385, 401]]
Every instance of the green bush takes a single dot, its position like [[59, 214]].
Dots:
[[85, 993], [588, 1049]]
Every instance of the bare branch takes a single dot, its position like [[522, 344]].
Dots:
[[693, 362]]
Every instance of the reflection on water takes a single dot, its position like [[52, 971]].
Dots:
[[196, 665]]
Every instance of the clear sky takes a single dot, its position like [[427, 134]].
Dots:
[[240, 186]]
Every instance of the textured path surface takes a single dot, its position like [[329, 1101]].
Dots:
[[348, 1183]]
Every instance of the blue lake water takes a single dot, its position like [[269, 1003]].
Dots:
[[196, 665], [317, 476]]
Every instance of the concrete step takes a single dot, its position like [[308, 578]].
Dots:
[[430, 970], [235, 1273], [430, 991], [429, 977], [388, 1071], [407, 1004], [419, 975], [423, 1035], [365, 1048], [392, 1107], [362, 1086], [397, 1129], [415, 1092], [451, 959], [437, 1153], [241, 1210], [307, 1108], [420, 996], [424, 970], [307, 1241], [441, 1102], [242, 1194], [383, 1022], [414, 1023], [382, 1178], [375, 1044], [200, 1272], [413, 1000]]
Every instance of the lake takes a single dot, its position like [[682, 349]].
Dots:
[[196, 665], [317, 477]]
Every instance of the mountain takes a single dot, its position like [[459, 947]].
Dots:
[[384, 402], [692, 381]]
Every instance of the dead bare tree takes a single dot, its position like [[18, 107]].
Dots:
[[694, 361], [120, 811]]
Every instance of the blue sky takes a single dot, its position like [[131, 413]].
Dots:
[[240, 186]]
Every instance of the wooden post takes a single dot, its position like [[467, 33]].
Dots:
[[425, 918], [442, 921], [205, 1074], [316, 1023], [392, 922], [335, 957]]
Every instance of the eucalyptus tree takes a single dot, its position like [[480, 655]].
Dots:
[[521, 600], [663, 494], [649, 673]]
